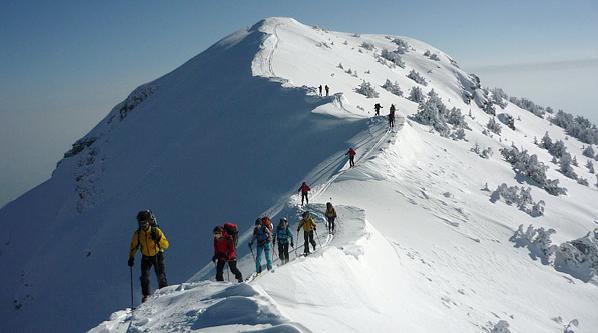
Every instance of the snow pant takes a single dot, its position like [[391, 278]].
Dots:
[[304, 197], [232, 265], [308, 237], [258, 258], [351, 161], [146, 264], [326, 92], [391, 122], [330, 224], [283, 252]]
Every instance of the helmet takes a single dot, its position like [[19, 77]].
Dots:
[[258, 221], [284, 219], [145, 215]]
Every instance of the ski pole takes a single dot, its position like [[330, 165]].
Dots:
[[318, 237], [132, 308], [252, 255]]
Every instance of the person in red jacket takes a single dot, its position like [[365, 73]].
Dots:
[[351, 153], [224, 252], [304, 189]]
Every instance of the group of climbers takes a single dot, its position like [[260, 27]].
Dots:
[[391, 115], [325, 88]]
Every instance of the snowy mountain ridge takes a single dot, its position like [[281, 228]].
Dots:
[[232, 133]]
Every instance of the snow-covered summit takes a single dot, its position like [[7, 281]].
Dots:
[[232, 133]]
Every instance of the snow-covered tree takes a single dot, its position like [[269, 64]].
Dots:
[[528, 105], [590, 166], [589, 151], [393, 88], [340, 66], [434, 57], [367, 45], [565, 166], [429, 113], [402, 46], [393, 57], [558, 149], [427, 53], [529, 166], [366, 89], [415, 76], [578, 127], [494, 126], [574, 161], [521, 197], [416, 95], [537, 241], [538, 209], [499, 97], [583, 181], [486, 153], [579, 257], [456, 118], [546, 142]]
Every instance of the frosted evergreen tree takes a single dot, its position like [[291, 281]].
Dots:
[[434, 57], [538, 209], [583, 181], [415, 76], [456, 118], [427, 53], [393, 57], [558, 149], [546, 142], [366, 89], [565, 166], [402, 46], [416, 95], [393, 88], [428, 113], [574, 161], [590, 166], [494, 126], [489, 108], [589, 151], [367, 45]]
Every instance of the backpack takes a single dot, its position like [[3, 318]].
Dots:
[[267, 222], [232, 230], [263, 235]]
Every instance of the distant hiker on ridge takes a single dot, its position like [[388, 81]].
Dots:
[[263, 235], [377, 108], [309, 226], [320, 89], [391, 117], [304, 189], [284, 236], [327, 89], [351, 153], [225, 253], [152, 242], [330, 216]]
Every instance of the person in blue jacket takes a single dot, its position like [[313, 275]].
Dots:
[[284, 236], [263, 236]]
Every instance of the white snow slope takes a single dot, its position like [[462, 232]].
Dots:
[[229, 136]]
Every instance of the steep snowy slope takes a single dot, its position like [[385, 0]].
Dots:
[[232, 133]]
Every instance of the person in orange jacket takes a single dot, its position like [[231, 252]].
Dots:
[[304, 189], [152, 243]]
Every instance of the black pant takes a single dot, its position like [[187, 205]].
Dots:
[[330, 224], [391, 122], [283, 252], [351, 161], [146, 264], [304, 196], [308, 237], [232, 265]]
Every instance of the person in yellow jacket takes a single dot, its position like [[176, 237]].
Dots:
[[152, 243], [308, 225], [330, 216]]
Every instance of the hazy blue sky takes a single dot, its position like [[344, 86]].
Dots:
[[65, 64]]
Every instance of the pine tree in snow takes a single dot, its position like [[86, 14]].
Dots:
[[565, 166], [366, 89], [546, 142], [583, 181], [590, 166], [558, 149], [434, 57], [393, 88], [589, 152], [427, 53], [415, 76], [393, 57], [494, 126], [574, 161], [537, 241], [456, 118], [367, 45], [402, 46], [416, 95]]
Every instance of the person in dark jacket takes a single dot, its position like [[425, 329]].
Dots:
[[320, 89], [152, 243], [225, 253], [351, 153], [391, 117], [377, 108], [304, 189], [284, 236], [327, 89]]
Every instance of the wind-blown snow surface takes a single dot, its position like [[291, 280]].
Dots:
[[230, 135]]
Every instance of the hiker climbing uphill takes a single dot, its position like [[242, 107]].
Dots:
[[284, 237], [330, 216], [320, 89], [225, 253], [391, 117], [304, 189], [377, 108], [152, 243], [263, 236], [327, 89], [309, 227], [351, 153]]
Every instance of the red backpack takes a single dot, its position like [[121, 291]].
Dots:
[[232, 230]]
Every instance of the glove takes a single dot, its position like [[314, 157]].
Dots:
[[131, 262], [156, 237], [214, 259]]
